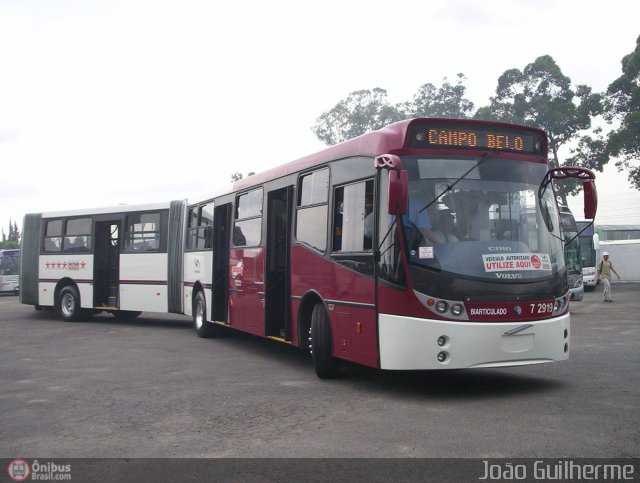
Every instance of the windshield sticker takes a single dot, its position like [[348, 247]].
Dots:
[[425, 252], [515, 262]]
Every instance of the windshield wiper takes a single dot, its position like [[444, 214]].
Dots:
[[452, 185]]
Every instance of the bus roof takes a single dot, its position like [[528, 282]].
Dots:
[[385, 140], [108, 209], [391, 139]]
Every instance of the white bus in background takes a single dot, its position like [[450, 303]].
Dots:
[[572, 253], [589, 246], [123, 260], [9, 271]]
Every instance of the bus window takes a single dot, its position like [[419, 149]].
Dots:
[[142, 232], [9, 265], [205, 227], [248, 225], [311, 224], [78, 235], [353, 220], [53, 236], [192, 228]]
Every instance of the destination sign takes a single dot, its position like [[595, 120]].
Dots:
[[444, 135]]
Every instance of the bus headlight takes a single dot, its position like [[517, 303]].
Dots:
[[457, 309], [560, 304], [442, 306]]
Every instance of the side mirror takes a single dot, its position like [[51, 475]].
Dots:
[[398, 194], [590, 199], [583, 174]]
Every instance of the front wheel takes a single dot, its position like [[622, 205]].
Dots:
[[68, 304], [203, 328], [325, 364]]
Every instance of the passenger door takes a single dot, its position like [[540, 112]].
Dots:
[[246, 265]]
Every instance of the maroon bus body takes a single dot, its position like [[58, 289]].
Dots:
[[352, 300]]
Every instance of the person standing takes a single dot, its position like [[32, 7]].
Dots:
[[604, 273]]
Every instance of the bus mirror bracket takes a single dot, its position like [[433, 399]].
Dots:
[[581, 174], [398, 194]]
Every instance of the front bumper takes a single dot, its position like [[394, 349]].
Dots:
[[408, 343]]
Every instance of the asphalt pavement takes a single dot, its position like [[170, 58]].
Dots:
[[151, 388]]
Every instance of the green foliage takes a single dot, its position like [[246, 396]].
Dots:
[[362, 111], [367, 110], [541, 96], [13, 239], [446, 101], [623, 96], [591, 152]]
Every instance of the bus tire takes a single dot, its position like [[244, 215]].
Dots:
[[68, 304], [203, 328], [325, 364], [125, 314]]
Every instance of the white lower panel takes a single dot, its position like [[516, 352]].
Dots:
[[46, 292], [187, 301], [144, 298], [411, 343], [86, 294]]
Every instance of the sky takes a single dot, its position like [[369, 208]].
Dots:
[[135, 101]]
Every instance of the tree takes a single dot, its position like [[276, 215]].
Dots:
[[366, 110], [13, 239], [541, 96], [362, 111], [446, 101], [623, 96]]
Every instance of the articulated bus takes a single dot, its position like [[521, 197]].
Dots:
[[429, 244], [9, 270], [122, 260], [589, 246]]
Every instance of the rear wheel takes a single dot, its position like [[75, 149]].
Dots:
[[68, 304], [203, 328], [325, 365]]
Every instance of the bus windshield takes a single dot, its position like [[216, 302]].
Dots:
[[587, 251], [9, 264], [572, 249], [489, 224]]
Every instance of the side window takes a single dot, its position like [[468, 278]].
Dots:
[[78, 235], [192, 228], [311, 222], [205, 227], [53, 236], [353, 218], [248, 220], [142, 232]]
